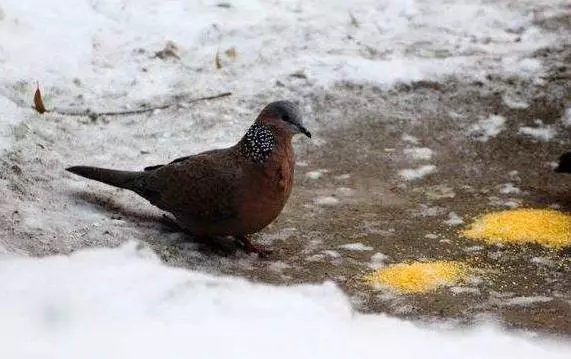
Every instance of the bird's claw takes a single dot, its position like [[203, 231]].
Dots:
[[249, 247]]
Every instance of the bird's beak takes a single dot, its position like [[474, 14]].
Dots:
[[304, 131]]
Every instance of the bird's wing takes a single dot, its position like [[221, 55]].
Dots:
[[180, 159], [204, 186]]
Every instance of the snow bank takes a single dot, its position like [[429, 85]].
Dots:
[[106, 50], [123, 303]]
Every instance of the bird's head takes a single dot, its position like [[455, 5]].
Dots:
[[283, 116]]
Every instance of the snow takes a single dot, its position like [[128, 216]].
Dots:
[[332, 254], [567, 117], [118, 303], [488, 128], [522, 67], [359, 247], [540, 133], [509, 188], [378, 260], [417, 173], [526, 300], [464, 290], [514, 101], [344, 191], [418, 153], [112, 45], [325, 201], [410, 139], [454, 219], [9, 115], [102, 55], [343, 177], [316, 174]]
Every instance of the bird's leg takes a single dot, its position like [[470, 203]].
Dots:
[[241, 239], [251, 247]]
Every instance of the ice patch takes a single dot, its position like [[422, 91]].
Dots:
[[124, 303], [540, 133], [359, 247], [488, 128], [418, 153], [417, 173]]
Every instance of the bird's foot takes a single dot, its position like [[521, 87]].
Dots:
[[250, 247]]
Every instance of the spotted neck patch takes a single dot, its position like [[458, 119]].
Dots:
[[258, 143]]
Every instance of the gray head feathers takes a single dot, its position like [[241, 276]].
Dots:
[[288, 112]]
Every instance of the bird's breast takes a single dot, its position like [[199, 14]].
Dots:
[[269, 189]]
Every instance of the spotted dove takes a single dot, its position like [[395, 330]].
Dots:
[[234, 191]]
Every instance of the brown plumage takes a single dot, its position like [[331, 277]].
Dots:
[[233, 191]]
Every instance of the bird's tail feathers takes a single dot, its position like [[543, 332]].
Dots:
[[130, 180]]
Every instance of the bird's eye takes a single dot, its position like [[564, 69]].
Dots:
[[286, 118]]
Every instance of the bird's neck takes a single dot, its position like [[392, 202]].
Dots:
[[258, 143], [262, 141]]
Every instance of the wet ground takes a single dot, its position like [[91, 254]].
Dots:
[[348, 190]]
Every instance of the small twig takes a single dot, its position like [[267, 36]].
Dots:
[[94, 115], [213, 97]]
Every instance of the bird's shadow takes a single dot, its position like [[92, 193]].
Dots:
[[221, 246]]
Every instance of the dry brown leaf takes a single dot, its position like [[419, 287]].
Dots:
[[38, 102], [231, 52]]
